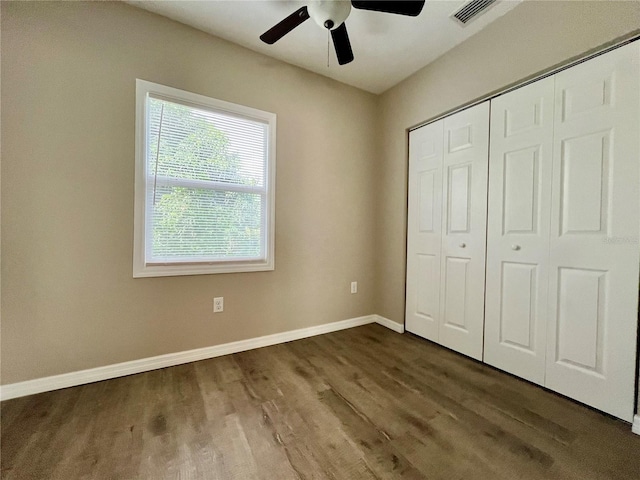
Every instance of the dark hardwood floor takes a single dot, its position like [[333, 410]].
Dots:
[[364, 403]]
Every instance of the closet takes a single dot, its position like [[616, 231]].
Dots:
[[555, 234]]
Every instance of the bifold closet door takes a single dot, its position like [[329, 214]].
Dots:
[[446, 230], [424, 230], [464, 227], [563, 253], [594, 253], [520, 167]]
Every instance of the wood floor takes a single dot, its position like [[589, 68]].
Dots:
[[364, 403]]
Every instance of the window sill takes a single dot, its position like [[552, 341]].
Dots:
[[146, 271]]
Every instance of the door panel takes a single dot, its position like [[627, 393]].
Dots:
[[458, 201], [594, 254], [581, 318], [459, 137], [455, 293], [518, 306], [426, 200], [584, 192], [424, 230], [428, 272], [465, 162], [521, 190], [518, 230]]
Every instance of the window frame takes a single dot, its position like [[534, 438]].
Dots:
[[141, 268]]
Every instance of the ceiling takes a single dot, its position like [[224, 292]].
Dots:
[[387, 48]]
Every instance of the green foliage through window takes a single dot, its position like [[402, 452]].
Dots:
[[206, 197]]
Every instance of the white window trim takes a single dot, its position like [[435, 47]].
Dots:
[[140, 267]]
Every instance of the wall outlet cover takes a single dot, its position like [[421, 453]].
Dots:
[[218, 304]]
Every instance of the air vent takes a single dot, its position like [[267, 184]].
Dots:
[[471, 10]]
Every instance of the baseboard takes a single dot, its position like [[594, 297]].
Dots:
[[635, 427], [385, 322], [82, 377]]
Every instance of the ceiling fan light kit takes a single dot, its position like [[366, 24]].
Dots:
[[331, 14]]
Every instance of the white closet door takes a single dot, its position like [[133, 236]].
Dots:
[[594, 254], [520, 166], [466, 142], [424, 230]]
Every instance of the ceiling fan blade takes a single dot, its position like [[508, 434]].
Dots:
[[401, 7], [342, 44], [279, 30]]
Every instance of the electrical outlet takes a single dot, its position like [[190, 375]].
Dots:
[[218, 304], [354, 287]]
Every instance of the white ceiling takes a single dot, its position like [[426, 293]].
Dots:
[[387, 48]]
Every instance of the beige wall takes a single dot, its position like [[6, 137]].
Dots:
[[69, 301], [532, 38]]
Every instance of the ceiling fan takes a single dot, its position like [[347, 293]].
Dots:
[[331, 14]]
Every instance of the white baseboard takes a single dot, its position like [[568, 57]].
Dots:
[[55, 382], [635, 428], [385, 322]]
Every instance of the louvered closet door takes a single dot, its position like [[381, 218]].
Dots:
[[594, 250], [424, 230], [464, 193], [520, 166]]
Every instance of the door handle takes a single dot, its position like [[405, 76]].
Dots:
[[462, 245], [515, 247]]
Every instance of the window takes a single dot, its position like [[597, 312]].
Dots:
[[204, 188]]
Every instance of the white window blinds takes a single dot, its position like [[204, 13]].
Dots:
[[206, 184]]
